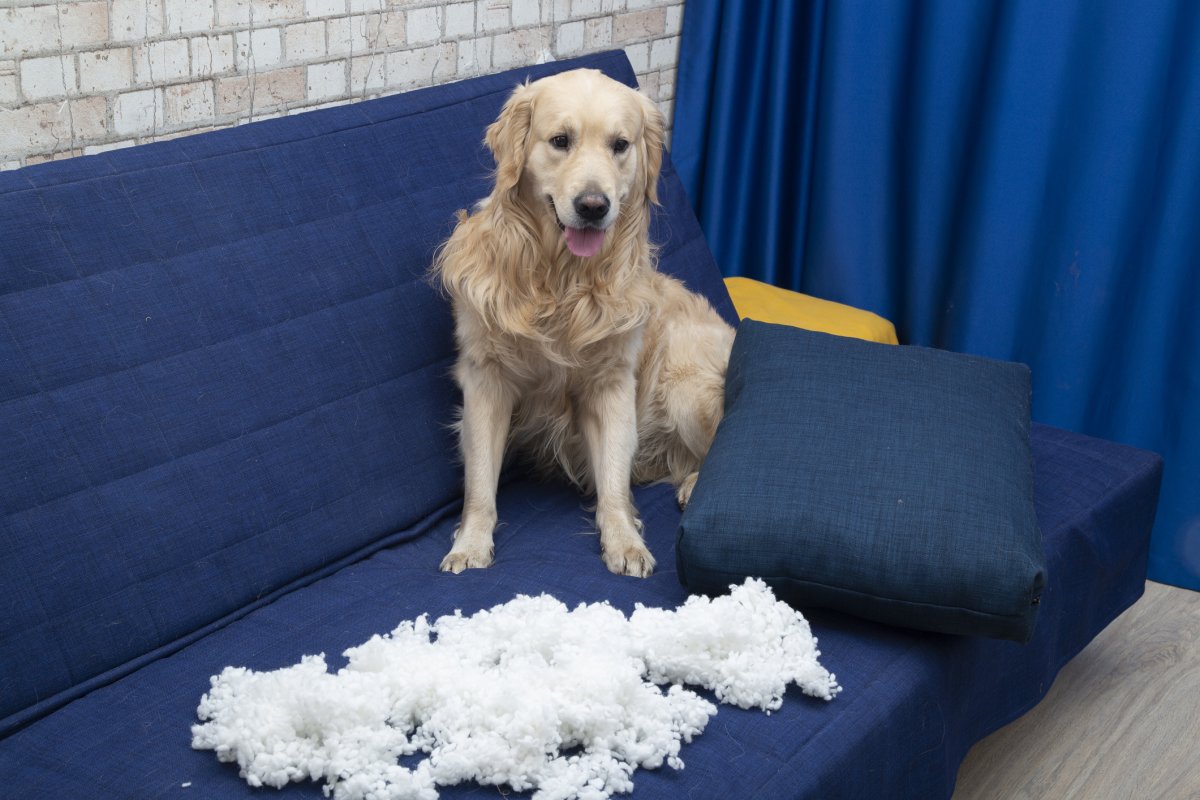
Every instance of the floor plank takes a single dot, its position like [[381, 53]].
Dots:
[[1121, 722]]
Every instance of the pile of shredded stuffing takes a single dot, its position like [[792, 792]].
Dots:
[[501, 697]]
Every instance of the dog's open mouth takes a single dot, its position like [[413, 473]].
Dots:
[[583, 242]]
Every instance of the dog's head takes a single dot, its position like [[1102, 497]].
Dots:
[[582, 147]]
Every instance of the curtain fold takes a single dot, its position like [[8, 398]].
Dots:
[[1018, 179]]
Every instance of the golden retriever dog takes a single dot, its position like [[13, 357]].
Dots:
[[571, 345]]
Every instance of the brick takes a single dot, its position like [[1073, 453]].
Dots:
[[26, 30], [304, 41], [569, 38], [258, 49], [212, 55], [526, 46], [135, 20], [664, 53], [666, 84], [674, 20], [250, 93], [586, 8], [160, 62], [166, 137], [187, 16], [526, 13], [10, 93], [597, 33], [326, 81], [424, 25], [368, 74], [42, 158], [324, 8], [138, 112], [49, 76], [94, 149], [639, 56], [83, 24], [267, 11], [667, 107], [47, 127], [347, 35], [189, 103], [648, 84], [639, 25], [233, 12], [492, 15], [28, 129], [106, 70], [366, 6], [386, 31], [554, 11], [460, 19], [475, 56], [422, 66], [634, 4], [90, 117]]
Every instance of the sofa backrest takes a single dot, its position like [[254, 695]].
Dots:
[[223, 373]]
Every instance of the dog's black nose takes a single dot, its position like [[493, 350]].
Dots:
[[591, 206]]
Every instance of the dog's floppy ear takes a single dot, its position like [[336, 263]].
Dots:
[[506, 137], [650, 157]]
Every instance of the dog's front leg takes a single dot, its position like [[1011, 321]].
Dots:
[[487, 414], [609, 421]]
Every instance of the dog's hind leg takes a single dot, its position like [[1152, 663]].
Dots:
[[683, 490]]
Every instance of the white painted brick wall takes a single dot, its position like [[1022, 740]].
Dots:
[[79, 77]]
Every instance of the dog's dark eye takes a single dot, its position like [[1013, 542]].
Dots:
[[560, 142], [620, 145]]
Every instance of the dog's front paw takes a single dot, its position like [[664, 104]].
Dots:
[[462, 558], [631, 559]]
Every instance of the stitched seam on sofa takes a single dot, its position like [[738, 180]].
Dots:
[[185, 158], [181, 144], [26, 716], [241, 435], [149, 577], [664, 254], [986, 615], [237, 336], [226, 243], [416, 370], [402, 192]]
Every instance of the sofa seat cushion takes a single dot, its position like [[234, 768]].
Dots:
[[890, 482], [1095, 500]]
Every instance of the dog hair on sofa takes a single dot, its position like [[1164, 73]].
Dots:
[[571, 345]]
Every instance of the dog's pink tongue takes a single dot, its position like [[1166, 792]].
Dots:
[[584, 242]]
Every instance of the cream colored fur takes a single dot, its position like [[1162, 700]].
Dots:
[[600, 366]]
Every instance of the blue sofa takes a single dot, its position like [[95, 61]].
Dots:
[[224, 397]]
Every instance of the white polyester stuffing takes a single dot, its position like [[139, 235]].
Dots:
[[500, 696]]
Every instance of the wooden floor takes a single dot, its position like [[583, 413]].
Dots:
[[1122, 721]]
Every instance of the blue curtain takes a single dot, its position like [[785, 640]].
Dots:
[[1018, 179]]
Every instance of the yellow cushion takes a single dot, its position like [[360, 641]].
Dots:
[[766, 303]]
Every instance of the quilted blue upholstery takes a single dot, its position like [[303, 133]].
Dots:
[[222, 371], [223, 396]]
